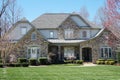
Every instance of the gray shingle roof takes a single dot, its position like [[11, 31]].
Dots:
[[54, 20], [50, 20]]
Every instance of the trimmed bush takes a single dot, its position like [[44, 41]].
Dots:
[[33, 62], [97, 62], [79, 61], [24, 64], [14, 65], [43, 60], [100, 61], [106, 62], [111, 62], [22, 60], [1, 65], [69, 61]]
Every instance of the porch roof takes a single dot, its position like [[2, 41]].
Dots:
[[64, 41]]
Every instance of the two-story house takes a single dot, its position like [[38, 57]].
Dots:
[[64, 34]]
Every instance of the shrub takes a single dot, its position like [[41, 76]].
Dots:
[[69, 61], [43, 61], [106, 62], [33, 61], [24, 64], [0, 60], [14, 65], [79, 61], [111, 62], [22, 60], [1, 65], [100, 61], [52, 58]]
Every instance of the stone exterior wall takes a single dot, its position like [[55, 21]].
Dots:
[[68, 24], [20, 50], [97, 43]]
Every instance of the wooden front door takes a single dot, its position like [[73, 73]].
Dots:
[[87, 54]]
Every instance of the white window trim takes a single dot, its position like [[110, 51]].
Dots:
[[51, 36], [67, 33], [104, 52]]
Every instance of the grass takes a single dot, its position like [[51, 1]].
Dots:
[[61, 73]]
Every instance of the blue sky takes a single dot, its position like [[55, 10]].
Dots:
[[34, 8]]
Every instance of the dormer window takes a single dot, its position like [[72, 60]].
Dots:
[[84, 34], [69, 34], [51, 34], [23, 30], [33, 36]]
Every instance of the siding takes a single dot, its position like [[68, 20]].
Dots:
[[16, 33], [46, 33]]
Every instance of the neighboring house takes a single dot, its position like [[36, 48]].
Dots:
[[66, 35]]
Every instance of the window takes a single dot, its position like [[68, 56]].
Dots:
[[69, 52], [69, 34], [23, 30], [51, 34], [33, 36], [33, 52], [106, 52], [84, 34]]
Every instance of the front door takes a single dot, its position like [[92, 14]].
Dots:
[[33, 52], [87, 54], [69, 52]]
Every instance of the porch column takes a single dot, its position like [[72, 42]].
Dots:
[[59, 52], [80, 53]]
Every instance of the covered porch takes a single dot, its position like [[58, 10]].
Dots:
[[70, 49]]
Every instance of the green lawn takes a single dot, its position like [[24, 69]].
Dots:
[[61, 72]]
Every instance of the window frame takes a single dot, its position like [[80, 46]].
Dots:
[[22, 31], [68, 33], [35, 36], [109, 52], [51, 35], [84, 34]]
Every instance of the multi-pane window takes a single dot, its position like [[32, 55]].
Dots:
[[51, 34], [106, 52], [68, 52], [69, 34], [23, 30], [84, 34], [33, 36]]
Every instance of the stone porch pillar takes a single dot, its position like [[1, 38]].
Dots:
[[80, 53], [59, 52]]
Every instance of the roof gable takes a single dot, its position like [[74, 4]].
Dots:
[[54, 20], [49, 20]]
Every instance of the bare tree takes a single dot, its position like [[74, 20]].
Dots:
[[3, 6], [14, 12], [10, 16], [84, 12]]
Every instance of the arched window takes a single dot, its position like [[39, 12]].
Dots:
[[33, 36], [84, 34]]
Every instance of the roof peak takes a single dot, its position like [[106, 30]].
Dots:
[[61, 14], [24, 19]]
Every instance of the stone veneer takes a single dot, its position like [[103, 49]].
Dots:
[[98, 42], [68, 24], [20, 50]]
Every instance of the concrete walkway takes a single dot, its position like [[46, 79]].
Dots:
[[89, 64]]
